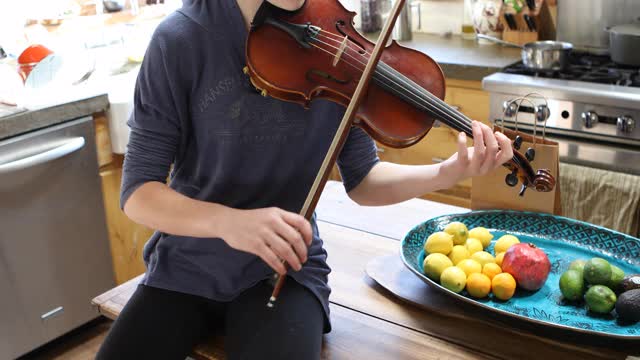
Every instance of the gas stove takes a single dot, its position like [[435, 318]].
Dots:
[[588, 68], [592, 109]]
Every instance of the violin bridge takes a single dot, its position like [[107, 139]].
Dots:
[[340, 51]]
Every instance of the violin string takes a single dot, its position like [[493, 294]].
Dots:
[[455, 116], [439, 107], [464, 122], [514, 158], [435, 101]]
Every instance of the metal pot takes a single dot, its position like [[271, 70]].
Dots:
[[541, 55], [624, 42]]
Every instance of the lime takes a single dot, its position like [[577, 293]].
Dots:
[[600, 299], [481, 234], [505, 243], [617, 275], [439, 242], [572, 285], [454, 279], [597, 271], [459, 253], [434, 264], [459, 232], [578, 265]]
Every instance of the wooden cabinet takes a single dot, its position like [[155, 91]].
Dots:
[[126, 237], [441, 141]]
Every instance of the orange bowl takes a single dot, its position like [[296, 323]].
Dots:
[[33, 54]]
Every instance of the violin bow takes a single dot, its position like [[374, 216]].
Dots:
[[343, 130]]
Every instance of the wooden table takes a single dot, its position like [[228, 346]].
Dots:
[[369, 322]]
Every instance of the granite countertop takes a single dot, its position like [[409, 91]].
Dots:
[[459, 59], [463, 59], [47, 115]]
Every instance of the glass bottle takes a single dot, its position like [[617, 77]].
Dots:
[[468, 30]]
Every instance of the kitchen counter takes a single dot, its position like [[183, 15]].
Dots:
[[37, 117], [462, 59], [459, 59]]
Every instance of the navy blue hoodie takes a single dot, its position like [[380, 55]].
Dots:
[[196, 110]]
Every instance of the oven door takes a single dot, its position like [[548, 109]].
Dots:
[[596, 154]]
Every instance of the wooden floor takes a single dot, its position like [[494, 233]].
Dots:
[[80, 344]]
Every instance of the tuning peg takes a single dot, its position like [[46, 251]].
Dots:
[[517, 142], [522, 190], [530, 154], [512, 179]]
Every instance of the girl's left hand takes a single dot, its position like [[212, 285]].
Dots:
[[490, 150]]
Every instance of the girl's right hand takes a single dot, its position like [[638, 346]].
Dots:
[[272, 234]]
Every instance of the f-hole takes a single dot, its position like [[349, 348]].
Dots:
[[339, 25], [322, 74]]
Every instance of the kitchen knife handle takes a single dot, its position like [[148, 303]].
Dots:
[[530, 22]]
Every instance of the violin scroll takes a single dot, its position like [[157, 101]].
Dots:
[[544, 181]]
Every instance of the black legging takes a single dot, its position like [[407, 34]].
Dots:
[[162, 324]]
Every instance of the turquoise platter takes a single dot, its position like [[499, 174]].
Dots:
[[563, 240]]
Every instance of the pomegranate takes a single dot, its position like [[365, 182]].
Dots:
[[528, 264]]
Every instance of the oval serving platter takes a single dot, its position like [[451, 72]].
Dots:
[[563, 240]]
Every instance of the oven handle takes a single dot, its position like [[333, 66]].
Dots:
[[63, 150]]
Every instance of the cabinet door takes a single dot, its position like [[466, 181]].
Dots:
[[53, 233], [126, 238], [468, 98]]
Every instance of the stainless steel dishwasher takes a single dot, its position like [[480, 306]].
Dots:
[[54, 250]]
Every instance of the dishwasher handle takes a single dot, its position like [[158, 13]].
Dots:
[[63, 150]]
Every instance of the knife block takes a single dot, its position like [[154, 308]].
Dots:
[[541, 16]]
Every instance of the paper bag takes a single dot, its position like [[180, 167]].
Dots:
[[491, 191]]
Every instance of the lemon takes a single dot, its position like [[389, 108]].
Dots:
[[454, 279], [503, 286], [473, 245], [499, 258], [491, 270], [483, 258], [459, 253], [470, 266], [434, 264], [481, 234], [459, 232], [505, 242], [478, 285], [439, 242]]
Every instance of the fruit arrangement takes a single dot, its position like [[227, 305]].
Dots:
[[603, 287], [457, 258]]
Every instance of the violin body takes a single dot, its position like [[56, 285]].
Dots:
[[284, 69]]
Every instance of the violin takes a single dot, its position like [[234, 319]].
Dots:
[[392, 92]]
